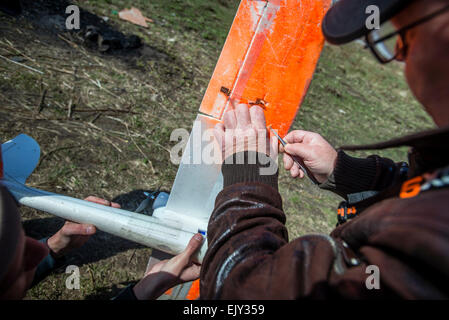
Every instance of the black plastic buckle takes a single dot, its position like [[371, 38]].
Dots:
[[344, 212]]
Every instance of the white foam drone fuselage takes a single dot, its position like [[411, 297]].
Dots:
[[167, 229]]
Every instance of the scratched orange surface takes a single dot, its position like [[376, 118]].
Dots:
[[194, 292], [268, 59]]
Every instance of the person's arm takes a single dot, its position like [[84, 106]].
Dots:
[[165, 274], [354, 175], [337, 171], [248, 254]]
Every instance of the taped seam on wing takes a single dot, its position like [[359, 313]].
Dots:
[[256, 21], [268, 15], [264, 24], [255, 16]]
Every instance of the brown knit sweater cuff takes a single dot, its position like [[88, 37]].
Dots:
[[250, 166]]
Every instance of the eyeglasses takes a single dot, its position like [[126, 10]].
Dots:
[[388, 45]]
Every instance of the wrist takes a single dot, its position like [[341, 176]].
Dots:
[[322, 178], [250, 166], [154, 285]]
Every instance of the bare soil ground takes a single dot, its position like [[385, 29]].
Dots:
[[102, 109]]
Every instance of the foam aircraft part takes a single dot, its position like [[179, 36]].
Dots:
[[268, 59]]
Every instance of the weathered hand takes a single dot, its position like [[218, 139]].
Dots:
[[318, 155], [73, 235], [244, 129], [181, 266], [168, 273]]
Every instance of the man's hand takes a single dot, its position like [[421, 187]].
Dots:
[[318, 155], [73, 235], [168, 273], [244, 129], [181, 265]]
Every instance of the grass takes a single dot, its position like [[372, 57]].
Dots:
[[352, 100]]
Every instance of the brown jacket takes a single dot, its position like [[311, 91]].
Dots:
[[250, 257]]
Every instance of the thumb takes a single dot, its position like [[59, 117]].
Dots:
[[299, 149], [75, 229], [194, 244]]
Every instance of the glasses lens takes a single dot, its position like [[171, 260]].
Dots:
[[385, 50]]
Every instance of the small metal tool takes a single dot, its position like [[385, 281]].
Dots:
[[296, 159]]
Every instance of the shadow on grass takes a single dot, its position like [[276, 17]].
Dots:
[[49, 18], [107, 293]]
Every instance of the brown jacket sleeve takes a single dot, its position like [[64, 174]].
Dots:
[[249, 256], [354, 175]]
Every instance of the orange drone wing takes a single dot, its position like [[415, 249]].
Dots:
[[268, 59]]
